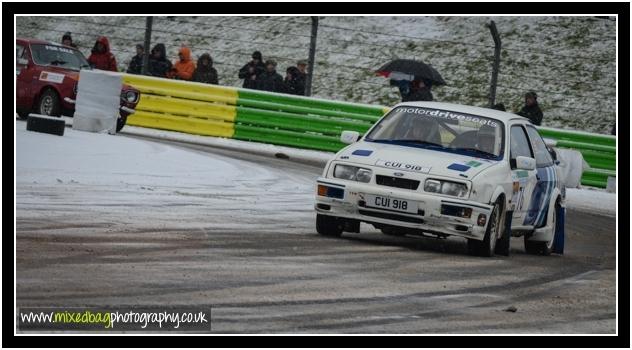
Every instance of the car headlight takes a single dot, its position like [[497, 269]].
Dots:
[[129, 96], [456, 189], [348, 172]]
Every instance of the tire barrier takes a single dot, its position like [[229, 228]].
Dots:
[[299, 121], [46, 124]]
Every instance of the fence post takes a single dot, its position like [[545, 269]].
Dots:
[[312, 54], [496, 65], [148, 23]]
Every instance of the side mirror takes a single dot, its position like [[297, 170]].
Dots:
[[22, 61], [349, 137], [525, 163]]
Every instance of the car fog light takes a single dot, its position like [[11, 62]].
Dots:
[[482, 219]]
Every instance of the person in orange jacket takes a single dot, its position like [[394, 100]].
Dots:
[[183, 68]]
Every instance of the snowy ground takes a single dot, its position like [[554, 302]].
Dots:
[[116, 220], [98, 177], [569, 61]]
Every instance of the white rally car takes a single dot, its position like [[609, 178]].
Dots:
[[441, 169]]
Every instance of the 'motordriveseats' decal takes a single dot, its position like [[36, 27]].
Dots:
[[541, 197]]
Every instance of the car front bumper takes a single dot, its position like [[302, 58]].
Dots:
[[435, 213]]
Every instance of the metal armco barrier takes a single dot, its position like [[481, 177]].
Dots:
[[299, 121]]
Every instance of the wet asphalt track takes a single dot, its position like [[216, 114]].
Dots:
[[274, 274]]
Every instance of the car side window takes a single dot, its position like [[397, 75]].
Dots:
[[19, 51], [519, 145], [542, 155]]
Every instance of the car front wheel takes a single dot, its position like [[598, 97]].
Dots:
[[329, 225], [487, 246], [49, 103]]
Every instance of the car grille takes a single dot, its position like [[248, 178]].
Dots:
[[396, 182]]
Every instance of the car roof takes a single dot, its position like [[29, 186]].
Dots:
[[40, 41], [504, 117]]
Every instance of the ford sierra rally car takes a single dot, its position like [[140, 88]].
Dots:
[[439, 169], [46, 80]]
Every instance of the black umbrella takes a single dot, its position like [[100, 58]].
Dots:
[[417, 69]]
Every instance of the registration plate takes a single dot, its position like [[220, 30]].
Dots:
[[390, 203]]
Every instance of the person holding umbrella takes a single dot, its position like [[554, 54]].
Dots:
[[413, 78]]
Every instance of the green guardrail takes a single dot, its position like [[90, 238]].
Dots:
[[303, 122]]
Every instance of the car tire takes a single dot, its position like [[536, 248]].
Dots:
[[47, 125], [329, 225], [543, 248], [49, 103], [487, 246], [22, 114], [504, 242]]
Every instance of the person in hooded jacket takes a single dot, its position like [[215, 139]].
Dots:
[[205, 73], [183, 68], [158, 65], [101, 57], [294, 81], [251, 70], [270, 80]]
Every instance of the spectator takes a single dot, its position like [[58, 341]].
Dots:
[[302, 67], [294, 81], [270, 80], [66, 39], [136, 64], [205, 73], [101, 57], [183, 68], [531, 110], [158, 65], [418, 90], [251, 70], [500, 107]]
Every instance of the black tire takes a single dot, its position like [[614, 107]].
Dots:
[[120, 122], [487, 246], [392, 231], [543, 248], [329, 225], [49, 103], [46, 125], [504, 242], [22, 114]]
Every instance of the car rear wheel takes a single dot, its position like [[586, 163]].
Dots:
[[49, 103], [329, 225], [487, 246]]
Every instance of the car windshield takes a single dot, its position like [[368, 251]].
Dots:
[[441, 130], [59, 56]]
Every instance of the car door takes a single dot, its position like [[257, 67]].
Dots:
[[523, 180], [546, 180]]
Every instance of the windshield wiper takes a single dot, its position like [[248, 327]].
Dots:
[[418, 142], [477, 151], [57, 62]]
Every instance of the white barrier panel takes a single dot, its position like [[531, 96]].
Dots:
[[98, 101], [572, 166]]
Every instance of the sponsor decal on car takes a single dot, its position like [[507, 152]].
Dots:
[[362, 152], [51, 77], [458, 167]]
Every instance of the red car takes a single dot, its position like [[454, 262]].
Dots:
[[47, 75]]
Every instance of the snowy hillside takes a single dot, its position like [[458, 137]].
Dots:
[[568, 61]]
